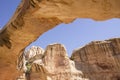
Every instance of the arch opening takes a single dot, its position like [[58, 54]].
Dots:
[[45, 15]]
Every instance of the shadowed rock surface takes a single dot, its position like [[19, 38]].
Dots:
[[34, 17]]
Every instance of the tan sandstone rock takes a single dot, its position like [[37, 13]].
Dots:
[[55, 65], [58, 64], [99, 60], [33, 55], [34, 17]]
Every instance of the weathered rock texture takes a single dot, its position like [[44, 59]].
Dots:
[[58, 64], [34, 17], [99, 60], [33, 51], [34, 56], [55, 65]]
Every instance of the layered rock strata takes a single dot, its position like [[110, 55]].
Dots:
[[99, 60]]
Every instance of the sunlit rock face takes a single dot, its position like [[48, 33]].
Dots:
[[99, 60], [56, 65], [32, 55], [33, 51], [34, 17]]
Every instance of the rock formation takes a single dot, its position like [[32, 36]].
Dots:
[[58, 64], [34, 17], [33, 51], [55, 65], [99, 60], [33, 55]]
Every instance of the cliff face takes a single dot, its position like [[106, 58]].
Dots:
[[99, 60], [54, 65], [34, 17]]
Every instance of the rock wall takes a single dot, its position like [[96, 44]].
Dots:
[[55, 65], [34, 17], [58, 64], [38, 72], [99, 60]]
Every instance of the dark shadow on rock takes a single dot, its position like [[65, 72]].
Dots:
[[5, 39]]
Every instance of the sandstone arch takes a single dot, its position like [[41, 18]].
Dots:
[[34, 17]]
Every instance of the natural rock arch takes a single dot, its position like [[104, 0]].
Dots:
[[34, 17]]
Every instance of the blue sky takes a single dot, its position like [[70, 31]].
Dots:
[[7, 8], [72, 35]]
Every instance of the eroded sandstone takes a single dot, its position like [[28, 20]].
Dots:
[[34, 17], [99, 60], [54, 65], [58, 64]]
